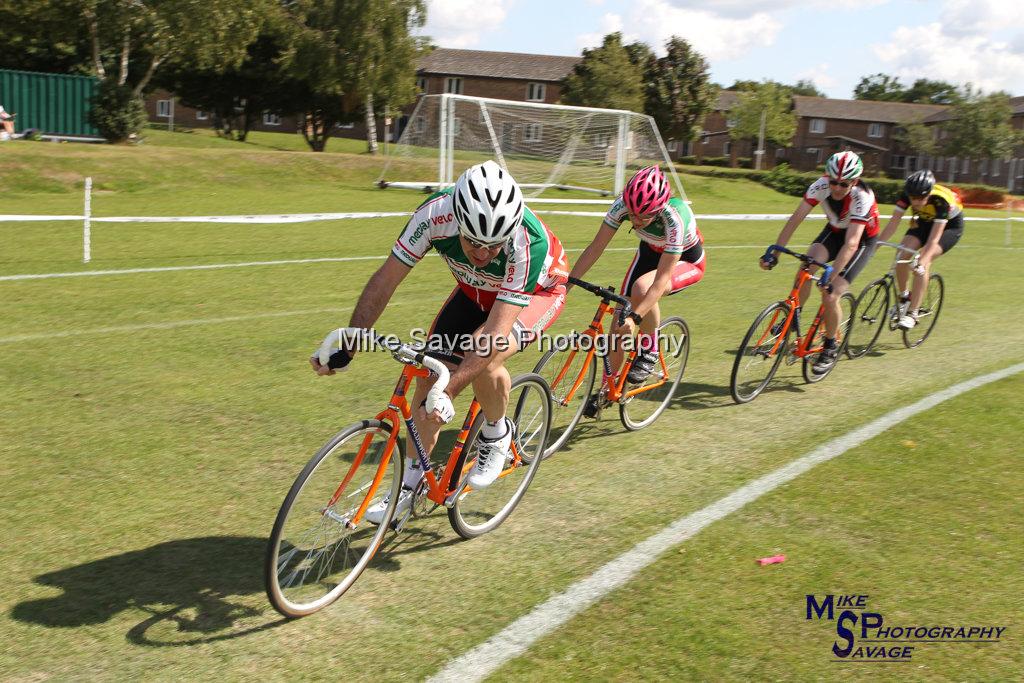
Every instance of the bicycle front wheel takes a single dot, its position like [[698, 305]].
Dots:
[[645, 402], [478, 511], [570, 373], [316, 549], [847, 306], [927, 313], [760, 353], [872, 312]]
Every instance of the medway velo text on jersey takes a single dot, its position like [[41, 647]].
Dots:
[[858, 206], [531, 260], [674, 230]]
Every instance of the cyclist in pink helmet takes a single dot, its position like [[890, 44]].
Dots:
[[669, 259]]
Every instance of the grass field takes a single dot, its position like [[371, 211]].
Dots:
[[153, 422]]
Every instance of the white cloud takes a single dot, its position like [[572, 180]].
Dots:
[[714, 36], [610, 23], [462, 23], [819, 75], [966, 47]]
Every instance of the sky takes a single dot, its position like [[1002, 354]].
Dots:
[[833, 44]]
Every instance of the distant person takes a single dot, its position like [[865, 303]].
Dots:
[[7, 121], [937, 226], [847, 241]]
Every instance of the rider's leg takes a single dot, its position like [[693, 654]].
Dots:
[[903, 269], [818, 252], [833, 309]]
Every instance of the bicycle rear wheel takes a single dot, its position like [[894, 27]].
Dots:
[[758, 357], [643, 408], [315, 553], [872, 312], [927, 313], [478, 511], [571, 379], [848, 306]]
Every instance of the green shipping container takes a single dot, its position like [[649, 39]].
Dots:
[[52, 103]]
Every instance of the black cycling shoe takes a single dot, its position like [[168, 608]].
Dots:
[[592, 407], [825, 360], [642, 366]]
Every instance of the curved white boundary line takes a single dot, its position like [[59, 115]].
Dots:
[[517, 637]]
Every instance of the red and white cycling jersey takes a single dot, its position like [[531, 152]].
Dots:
[[859, 206]]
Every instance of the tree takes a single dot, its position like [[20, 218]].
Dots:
[[924, 91], [879, 87], [679, 92], [606, 77], [770, 102], [348, 54], [981, 127], [806, 87], [918, 137]]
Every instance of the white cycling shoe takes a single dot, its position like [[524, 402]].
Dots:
[[491, 456], [375, 513], [907, 322]]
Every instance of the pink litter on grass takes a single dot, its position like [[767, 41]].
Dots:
[[775, 559]]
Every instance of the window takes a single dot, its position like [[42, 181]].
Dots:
[[727, 148], [163, 109], [996, 164], [898, 161], [817, 125], [672, 145], [780, 152], [812, 150], [938, 163], [271, 119], [704, 137], [453, 86], [202, 116], [532, 132], [983, 167], [421, 83], [349, 125], [876, 130], [535, 92], [1020, 168], [966, 168], [730, 123]]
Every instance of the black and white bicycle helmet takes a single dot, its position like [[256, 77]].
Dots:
[[488, 204], [919, 183]]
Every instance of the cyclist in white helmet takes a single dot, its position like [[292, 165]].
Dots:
[[511, 273], [847, 240]]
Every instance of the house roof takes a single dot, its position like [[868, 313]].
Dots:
[[855, 141], [487, 64], [863, 110], [727, 99], [1016, 107]]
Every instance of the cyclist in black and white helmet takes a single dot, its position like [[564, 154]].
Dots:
[[510, 272], [936, 227]]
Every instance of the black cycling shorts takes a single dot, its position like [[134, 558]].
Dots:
[[950, 236], [834, 240]]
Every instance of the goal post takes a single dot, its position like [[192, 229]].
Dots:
[[543, 146]]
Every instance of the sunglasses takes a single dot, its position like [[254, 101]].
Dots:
[[481, 245], [843, 184]]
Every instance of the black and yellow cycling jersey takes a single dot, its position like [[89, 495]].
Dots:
[[943, 205]]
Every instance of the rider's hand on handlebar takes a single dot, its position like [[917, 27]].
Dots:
[[339, 360]]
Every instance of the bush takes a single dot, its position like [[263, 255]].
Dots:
[[117, 113]]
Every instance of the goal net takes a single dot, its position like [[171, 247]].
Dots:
[[542, 145]]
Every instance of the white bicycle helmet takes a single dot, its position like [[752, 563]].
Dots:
[[844, 166], [488, 204]]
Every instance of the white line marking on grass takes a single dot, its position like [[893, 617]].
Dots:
[[517, 637], [164, 326], [250, 264]]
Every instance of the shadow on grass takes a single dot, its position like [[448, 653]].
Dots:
[[189, 584]]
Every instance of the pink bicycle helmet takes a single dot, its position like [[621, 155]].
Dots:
[[646, 192]]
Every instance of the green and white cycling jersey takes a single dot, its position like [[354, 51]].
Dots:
[[531, 260], [674, 230]]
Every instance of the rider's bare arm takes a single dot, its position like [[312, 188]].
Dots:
[[661, 284], [499, 324], [593, 251], [793, 223], [890, 227], [378, 291]]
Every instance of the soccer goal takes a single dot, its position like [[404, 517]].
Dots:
[[543, 146]]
